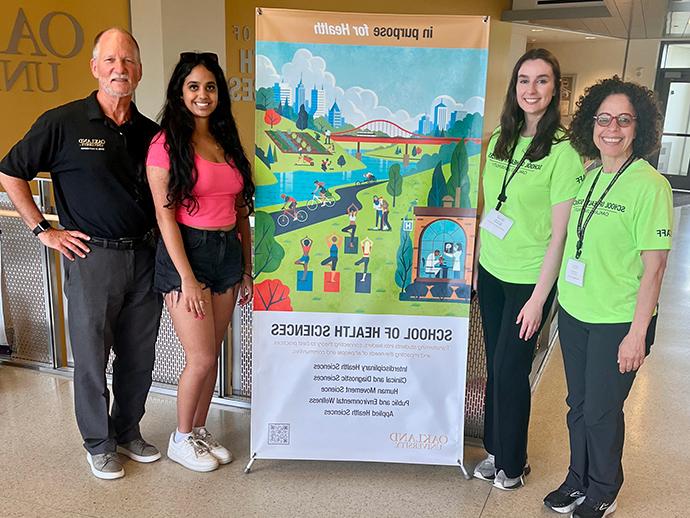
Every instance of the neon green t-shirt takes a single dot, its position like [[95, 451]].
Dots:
[[534, 190], [635, 215]]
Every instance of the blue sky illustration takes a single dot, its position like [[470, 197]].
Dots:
[[407, 78]]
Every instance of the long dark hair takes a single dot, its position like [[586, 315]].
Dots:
[[177, 124], [513, 118]]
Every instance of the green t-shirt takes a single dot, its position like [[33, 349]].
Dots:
[[635, 215], [531, 194]]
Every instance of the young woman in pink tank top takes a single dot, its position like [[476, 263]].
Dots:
[[202, 188]]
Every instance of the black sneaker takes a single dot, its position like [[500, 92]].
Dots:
[[564, 499], [591, 509]]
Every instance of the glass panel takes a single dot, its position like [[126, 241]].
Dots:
[[674, 156], [676, 55], [677, 119]]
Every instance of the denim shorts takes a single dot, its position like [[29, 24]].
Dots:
[[214, 255]]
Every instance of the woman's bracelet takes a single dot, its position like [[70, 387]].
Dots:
[[248, 275]]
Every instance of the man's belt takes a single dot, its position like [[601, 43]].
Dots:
[[123, 243]]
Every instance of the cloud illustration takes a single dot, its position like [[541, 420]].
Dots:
[[357, 104]]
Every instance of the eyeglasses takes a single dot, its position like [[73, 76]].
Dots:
[[624, 119], [198, 56]]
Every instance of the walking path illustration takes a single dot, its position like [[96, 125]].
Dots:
[[348, 196]]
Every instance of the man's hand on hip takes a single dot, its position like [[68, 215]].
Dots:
[[67, 242]]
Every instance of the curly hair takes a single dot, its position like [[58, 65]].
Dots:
[[177, 122], [513, 118], [643, 100]]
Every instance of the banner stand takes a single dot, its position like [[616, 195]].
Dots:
[[464, 471], [248, 468], [364, 234]]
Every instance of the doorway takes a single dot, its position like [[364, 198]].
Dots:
[[673, 90]]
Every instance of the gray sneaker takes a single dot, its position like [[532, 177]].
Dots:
[[486, 469], [502, 481], [139, 450], [105, 465]]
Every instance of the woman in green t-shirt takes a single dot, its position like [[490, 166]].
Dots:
[[619, 235], [529, 181]]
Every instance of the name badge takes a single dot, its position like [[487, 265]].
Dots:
[[575, 272], [496, 223]]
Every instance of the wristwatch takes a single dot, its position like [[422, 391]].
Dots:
[[42, 226]]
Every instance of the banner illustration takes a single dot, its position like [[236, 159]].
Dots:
[[368, 133]]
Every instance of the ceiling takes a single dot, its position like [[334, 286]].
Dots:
[[544, 34], [640, 19]]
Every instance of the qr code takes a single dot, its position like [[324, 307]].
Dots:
[[278, 433]]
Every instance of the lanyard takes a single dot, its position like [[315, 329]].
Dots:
[[506, 179], [582, 222]]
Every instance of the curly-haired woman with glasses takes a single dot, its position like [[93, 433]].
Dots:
[[619, 235], [202, 189]]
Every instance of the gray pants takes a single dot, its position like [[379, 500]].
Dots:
[[111, 305], [596, 394]]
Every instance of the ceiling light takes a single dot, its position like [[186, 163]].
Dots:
[[590, 37], [537, 30]]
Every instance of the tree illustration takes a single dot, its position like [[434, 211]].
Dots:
[[395, 182], [438, 187], [287, 110], [302, 118], [269, 157], [264, 98], [261, 156], [341, 160], [268, 253], [272, 295], [459, 165], [271, 117], [414, 150], [403, 272]]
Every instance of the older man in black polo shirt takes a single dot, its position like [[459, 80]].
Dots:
[[95, 150]]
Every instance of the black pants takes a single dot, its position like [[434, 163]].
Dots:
[[111, 304], [508, 365], [596, 393]]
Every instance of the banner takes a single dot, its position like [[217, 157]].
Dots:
[[368, 134]]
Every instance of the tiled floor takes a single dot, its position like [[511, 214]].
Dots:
[[43, 471]]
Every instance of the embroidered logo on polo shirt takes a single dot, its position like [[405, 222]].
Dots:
[[92, 144]]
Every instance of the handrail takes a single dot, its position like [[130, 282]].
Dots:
[[15, 214]]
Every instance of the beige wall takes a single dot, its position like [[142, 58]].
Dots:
[[642, 62], [598, 59], [589, 60], [164, 28]]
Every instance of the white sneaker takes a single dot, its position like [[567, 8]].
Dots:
[[191, 454], [508, 484], [486, 469], [220, 452]]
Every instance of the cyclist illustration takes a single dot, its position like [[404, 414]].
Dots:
[[321, 191], [289, 206]]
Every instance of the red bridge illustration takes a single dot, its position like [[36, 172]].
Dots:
[[388, 132]]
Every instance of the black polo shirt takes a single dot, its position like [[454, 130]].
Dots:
[[97, 167]]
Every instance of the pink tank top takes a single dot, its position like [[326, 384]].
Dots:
[[216, 188]]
